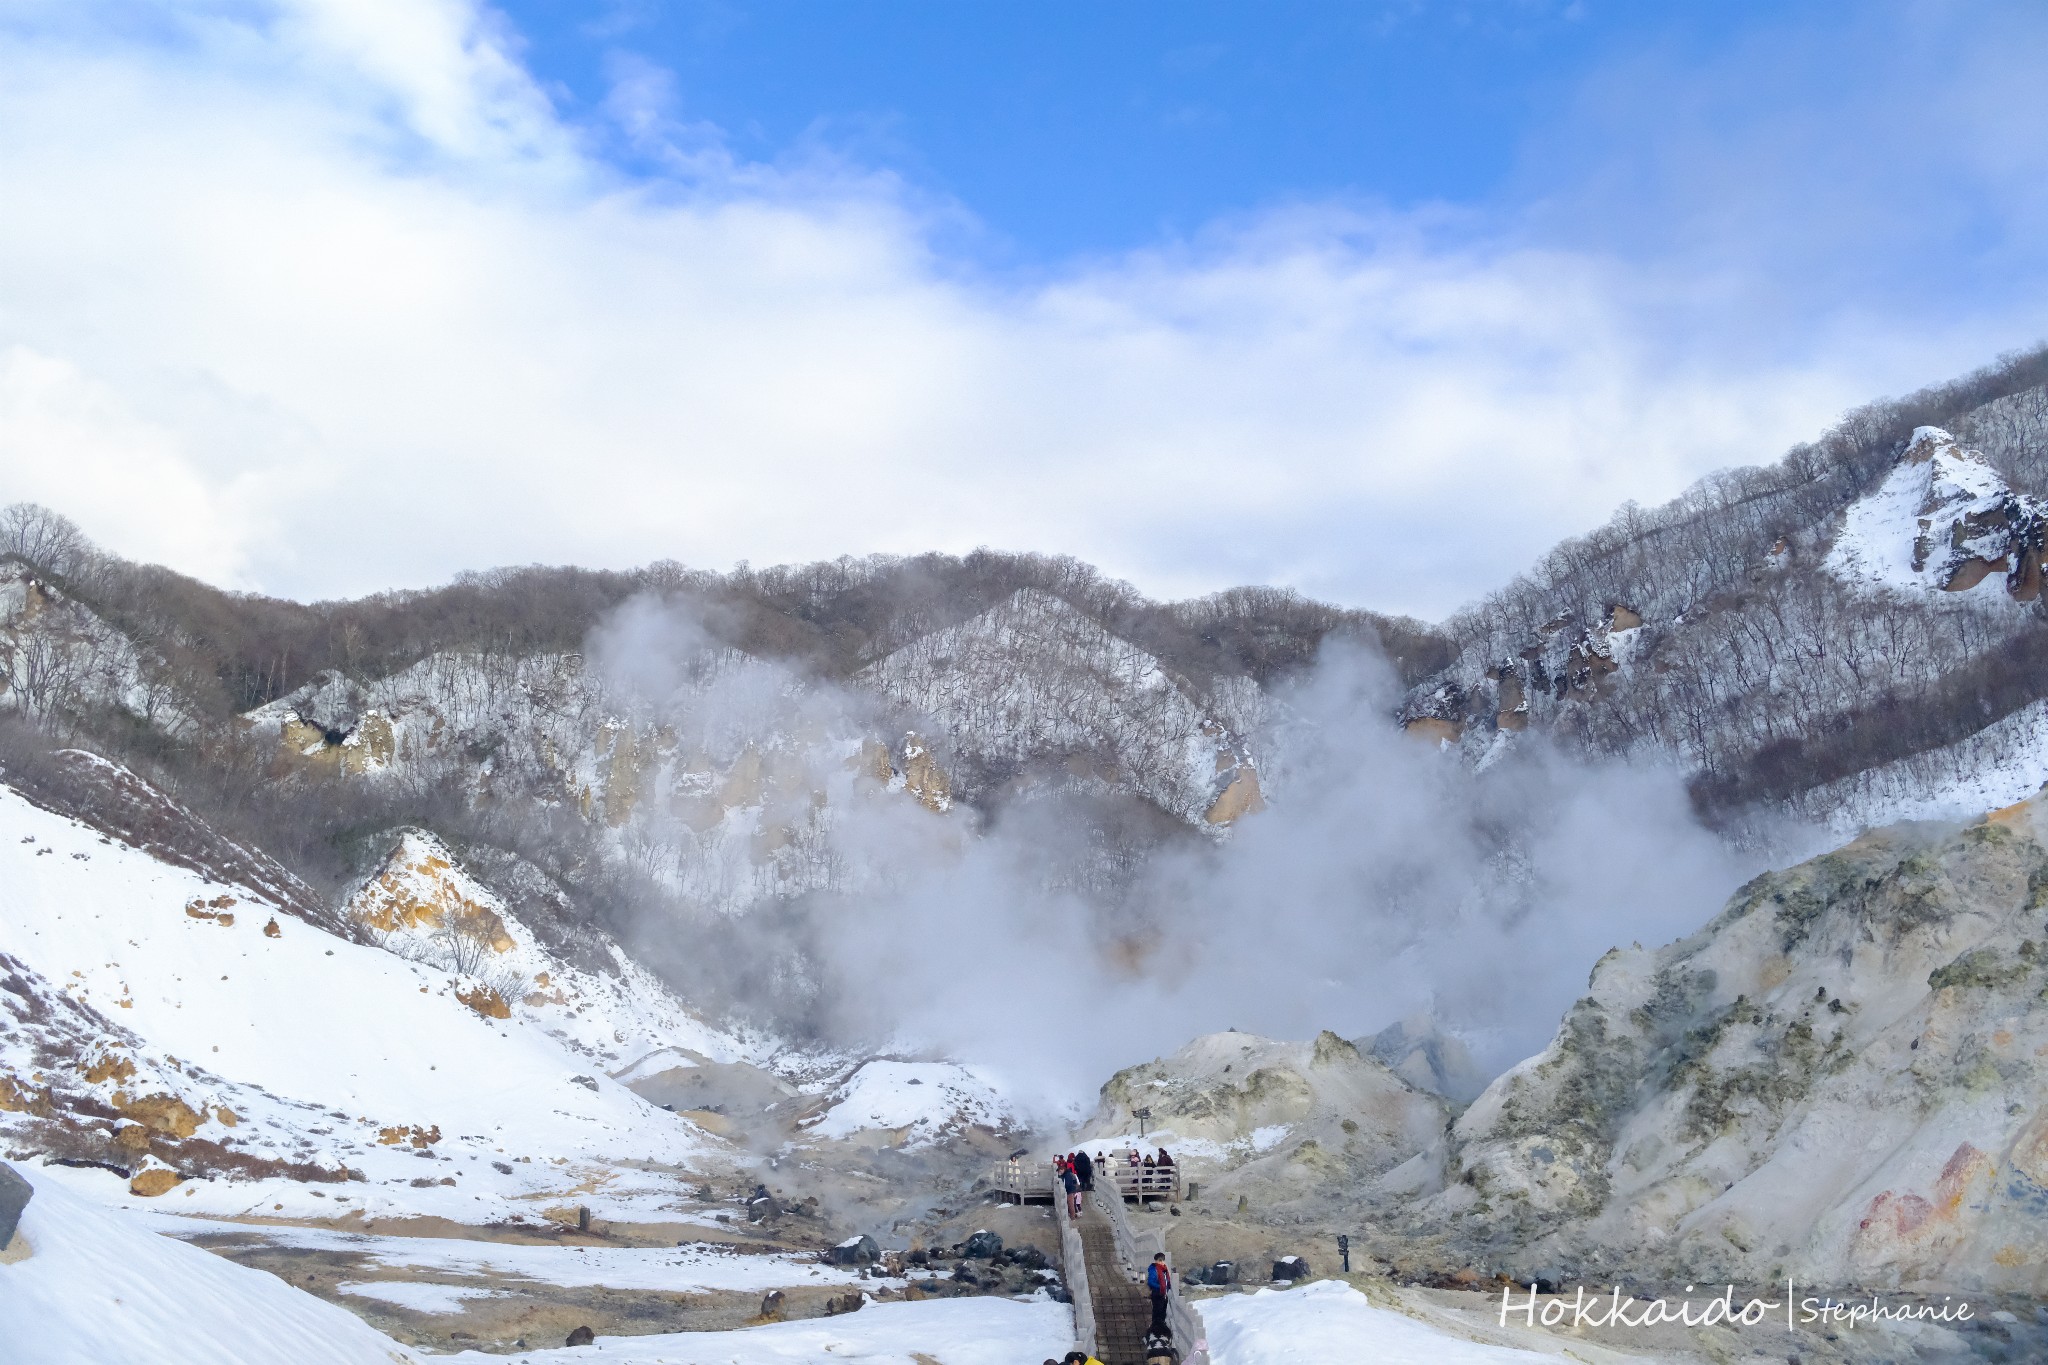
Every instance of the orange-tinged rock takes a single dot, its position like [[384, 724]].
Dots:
[[228, 1117], [485, 1001], [271, 930], [162, 1113], [18, 1098], [133, 1136], [1240, 798], [110, 1066], [155, 1181]]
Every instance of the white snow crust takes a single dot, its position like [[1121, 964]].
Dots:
[[1330, 1323], [974, 1331], [98, 1287], [924, 1100]]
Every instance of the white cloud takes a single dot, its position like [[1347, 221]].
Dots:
[[322, 297]]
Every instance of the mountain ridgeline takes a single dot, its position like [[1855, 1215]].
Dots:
[[664, 831]]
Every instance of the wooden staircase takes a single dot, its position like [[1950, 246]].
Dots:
[[1123, 1310]]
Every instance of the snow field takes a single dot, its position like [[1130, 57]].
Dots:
[[317, 1045], [928, 1099], [977, 1331], [1330, 1323], [98, 1287], [697, 1268]]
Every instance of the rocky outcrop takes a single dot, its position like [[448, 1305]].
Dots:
[[1843, 1078], [1276, 1121], [1943, 520], [1034, 689]]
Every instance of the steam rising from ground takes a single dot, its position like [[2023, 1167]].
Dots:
[[1036, 940]]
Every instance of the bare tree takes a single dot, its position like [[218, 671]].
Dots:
[[49, 541]]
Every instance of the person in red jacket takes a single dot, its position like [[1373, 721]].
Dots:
[[1159, 1284]]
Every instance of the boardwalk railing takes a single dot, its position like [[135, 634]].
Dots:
[[1074, 1269], [1180, 1319], [1028, 1182]]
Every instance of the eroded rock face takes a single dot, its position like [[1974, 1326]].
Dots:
[[1842, 1078], [1943, 519]]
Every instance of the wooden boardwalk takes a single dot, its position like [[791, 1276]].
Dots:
[[1123, 1310]]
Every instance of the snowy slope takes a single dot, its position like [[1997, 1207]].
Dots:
[[1330, 1323], [976, 1331], [323, 1053], [425, 906], [1942, 520], [97, 1287], [2004, 762], [912, 1104]]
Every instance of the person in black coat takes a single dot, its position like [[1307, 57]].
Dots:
[[1084, 1168]]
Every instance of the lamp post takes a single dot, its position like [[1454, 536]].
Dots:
[[1344, 1251]]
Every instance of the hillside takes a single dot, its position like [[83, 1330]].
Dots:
[[1866, 604], [1837, 1080]]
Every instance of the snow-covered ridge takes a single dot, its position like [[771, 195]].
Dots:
[[911, 1104], [1035, 679]]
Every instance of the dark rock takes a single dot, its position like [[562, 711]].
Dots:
[[1030, 1257], [771, 1304], [15, 1192], [1223, 1272], [582, 1336], [1290, 1268], [859, 1250], [844, 1303], [981, 1246]]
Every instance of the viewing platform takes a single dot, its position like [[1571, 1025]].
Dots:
[[1034, 1182]]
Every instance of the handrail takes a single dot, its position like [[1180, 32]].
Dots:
[[1139, 1182], [1074, 1264], [1181, 1321]]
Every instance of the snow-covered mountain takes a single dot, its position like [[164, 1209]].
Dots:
[[1784, 633]]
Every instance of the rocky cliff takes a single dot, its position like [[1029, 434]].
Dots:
[[1843, 1079]]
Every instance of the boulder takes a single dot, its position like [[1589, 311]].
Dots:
[[982, 1246], [15, 1192], [581, 1336], [1290, 1269], [860, 1250], [1030, 1257]]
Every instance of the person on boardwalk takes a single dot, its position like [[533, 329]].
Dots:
[[1085, 1169], [1072, 1184], [1159, 1284]]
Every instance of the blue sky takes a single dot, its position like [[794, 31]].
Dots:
[[1071, 128], [1374, 300]]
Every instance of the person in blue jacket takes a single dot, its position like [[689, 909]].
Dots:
[[1159, 1284]]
